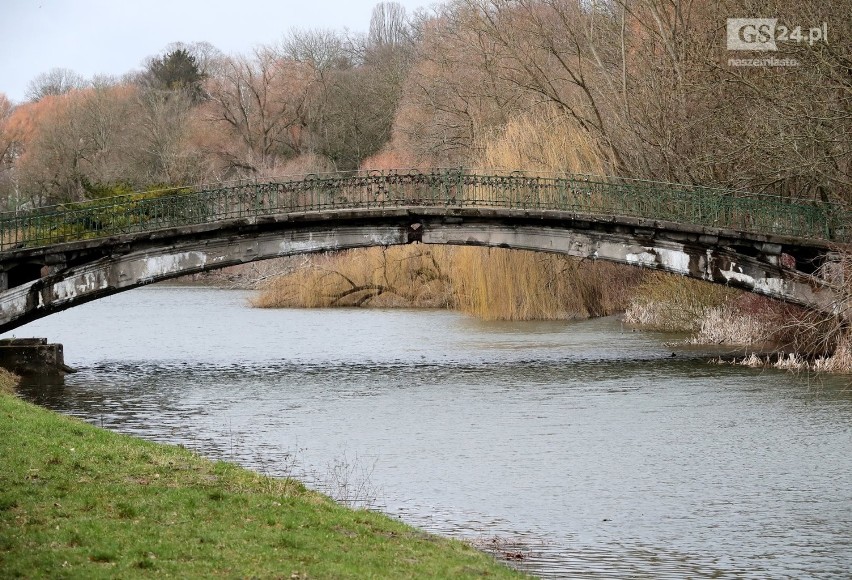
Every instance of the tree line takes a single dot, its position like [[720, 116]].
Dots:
[[638, 88]]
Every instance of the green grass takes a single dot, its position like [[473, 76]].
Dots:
[[81, 502]]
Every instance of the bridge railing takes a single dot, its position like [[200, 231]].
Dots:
[[586, 195]]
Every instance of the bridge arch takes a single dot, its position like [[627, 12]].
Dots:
[[77, 272]]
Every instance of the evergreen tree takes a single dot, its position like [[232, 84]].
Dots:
[[177, 70]]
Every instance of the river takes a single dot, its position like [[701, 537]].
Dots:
[[584, 448]]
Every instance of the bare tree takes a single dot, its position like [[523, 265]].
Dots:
[[322, 50], [262, 103], [52, 149], [357, 86], [56, 81], [800, 133], [455, 92], [8, 153], [104, 123], [163, 124], [6, 140], [389, 25]]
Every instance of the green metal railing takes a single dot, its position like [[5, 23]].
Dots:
[[597, 196]]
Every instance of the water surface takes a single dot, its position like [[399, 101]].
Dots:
[[584, 447]]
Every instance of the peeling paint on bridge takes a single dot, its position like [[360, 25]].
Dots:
[[695, 258]]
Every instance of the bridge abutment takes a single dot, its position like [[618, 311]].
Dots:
[[28, 357]]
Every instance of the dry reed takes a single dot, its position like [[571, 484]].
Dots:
[[495, 284], [404, 276], [544, 142], [501, 284], [675, 303]]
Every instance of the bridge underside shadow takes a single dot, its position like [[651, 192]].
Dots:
[[70, 274]]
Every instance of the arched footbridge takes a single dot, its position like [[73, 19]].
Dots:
[[58, 257]]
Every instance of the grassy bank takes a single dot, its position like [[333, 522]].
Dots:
[[7, 382], [78, 501]]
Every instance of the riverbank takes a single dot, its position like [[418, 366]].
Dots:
[[80, 501]]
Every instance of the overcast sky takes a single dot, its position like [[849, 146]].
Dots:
[[115, 36]]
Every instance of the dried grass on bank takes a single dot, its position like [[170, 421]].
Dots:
[[810, 340], [751, 319], [675, 303], [8, 382], [715, 314], [805, 340], [840, 361]]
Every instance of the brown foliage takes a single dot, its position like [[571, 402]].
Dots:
[[76, 145], [50, 148], [97, 140]]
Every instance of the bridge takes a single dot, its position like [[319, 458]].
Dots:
[[57, 257]]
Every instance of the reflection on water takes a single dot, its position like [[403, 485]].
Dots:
[[580, 448]]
